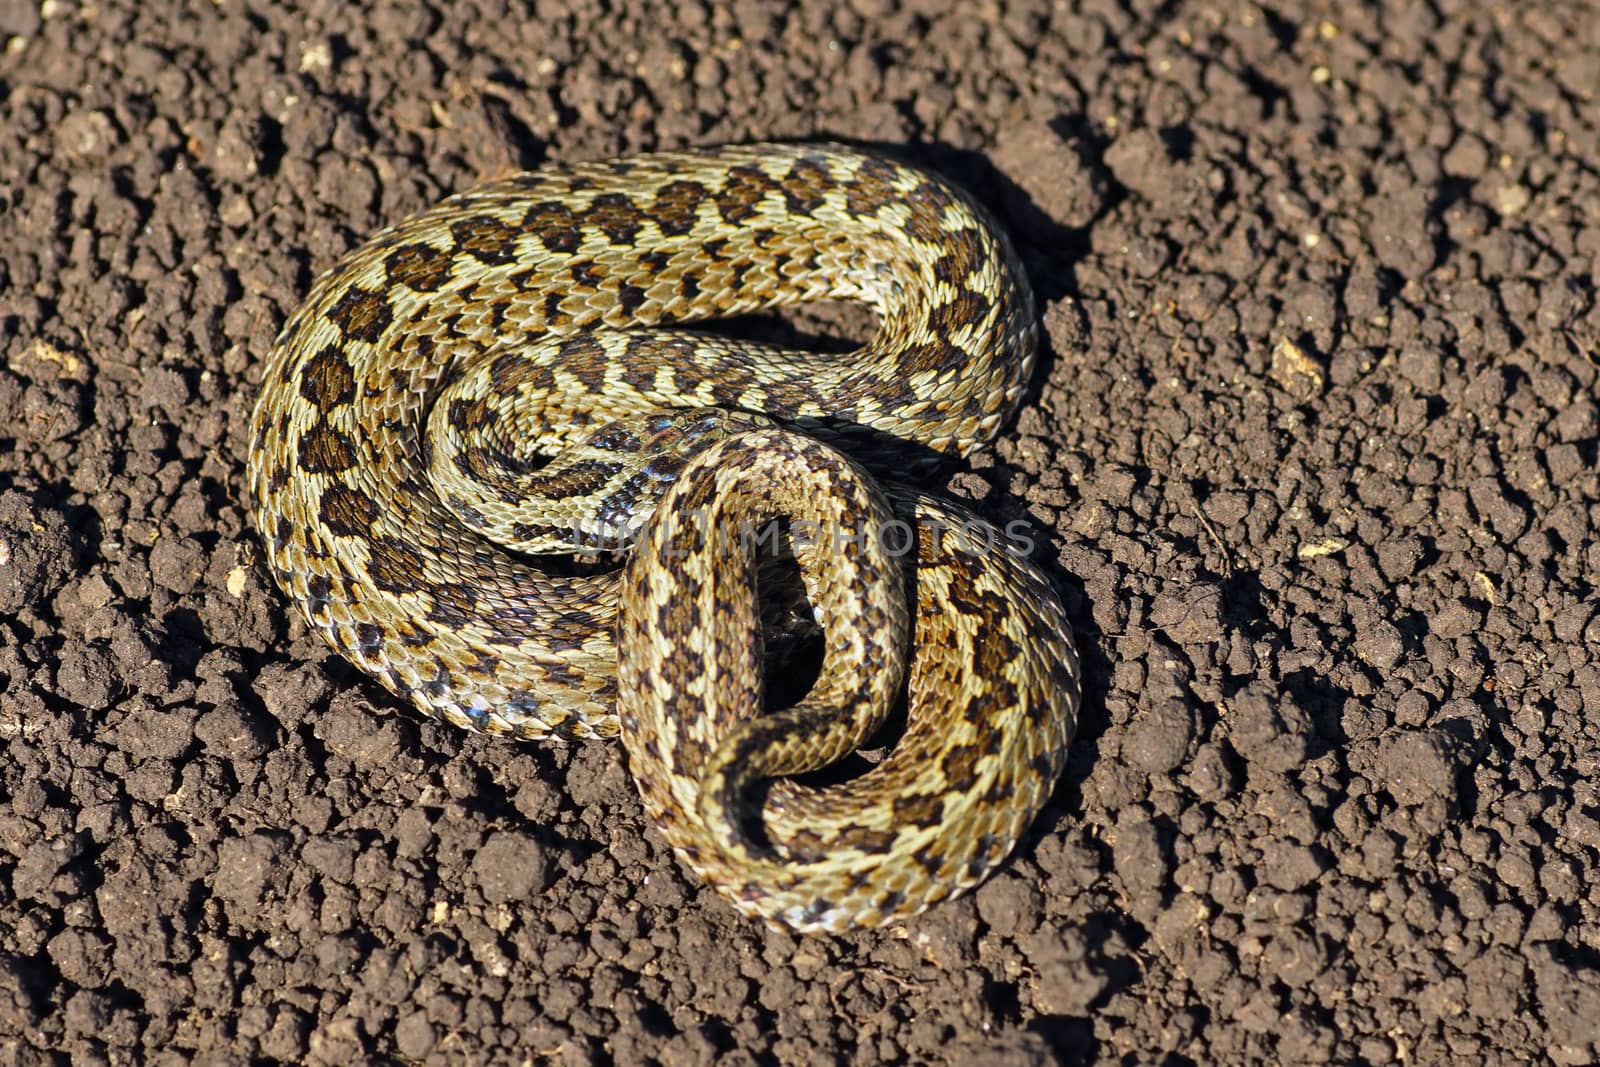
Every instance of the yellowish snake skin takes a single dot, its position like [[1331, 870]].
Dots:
[[503, 376]]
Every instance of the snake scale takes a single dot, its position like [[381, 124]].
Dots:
[[505, 376]]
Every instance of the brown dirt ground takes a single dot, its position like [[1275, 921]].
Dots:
[[1314, 454]]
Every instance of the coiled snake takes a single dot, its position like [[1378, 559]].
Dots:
[[499, 377]]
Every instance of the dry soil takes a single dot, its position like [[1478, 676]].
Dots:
[[1312, 457]]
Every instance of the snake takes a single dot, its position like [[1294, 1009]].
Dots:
[[504, 462]]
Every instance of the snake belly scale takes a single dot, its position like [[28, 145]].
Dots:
[[507, 370]]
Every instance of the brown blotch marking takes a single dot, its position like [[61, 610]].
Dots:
[[583, 273], [324, 450], [1038, 711], [394, 566], [348, 512], [482, 664], [942, 356], [578, 619], [486, 239], [319, 592], [554, 317], [523, 280], [989, 849], [327, 380], [578, 479], [979, 605], [744, 189], [439, 685], [284, 531], [925, 222], [512, 372], [555, 225], [872, 842], [806, 185], [563, 674], [583, 346], [498, 310], [470, 416], [960, 762], [506, 637], [621, 499], [638, 366], [420, 267], [585, 359], [977, 711], [964, 309], [488, 466], [424, 346], [557, 636], [361, 315], [591, 374], [454, 604], [995, 650], [630, 296], [616, 437], [680, 349], [1003, 692], [785, 399], [451, 325], [728, 384], [870, 188], [369, 638], [932, 194], [688, 753], [677, 206], [961, 260], [685, 540], [412, 487], [533, 531], [411, 637], [806, 846], [616, 216], [654, 262], [467, 513], [763, 237]]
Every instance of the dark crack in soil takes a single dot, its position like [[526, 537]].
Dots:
[[1314, 457]]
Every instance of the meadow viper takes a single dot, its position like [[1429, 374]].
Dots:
[[505, 376]]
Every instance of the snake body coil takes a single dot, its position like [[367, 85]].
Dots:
[[501, 376]]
